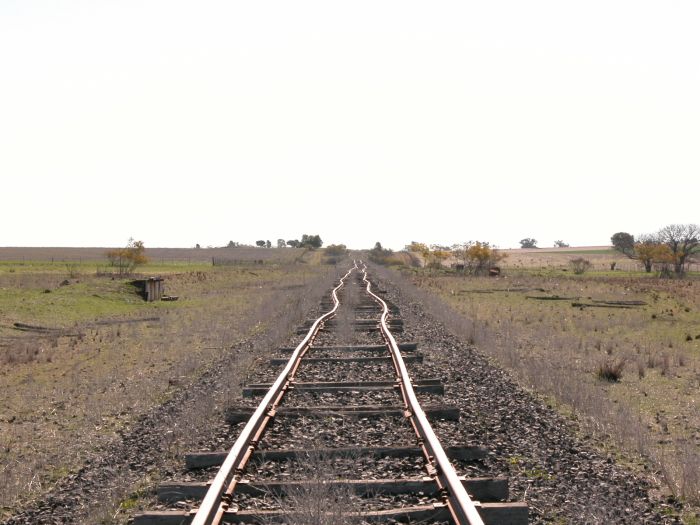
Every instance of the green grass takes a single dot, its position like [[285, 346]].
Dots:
[[86, 268], [65, 305]]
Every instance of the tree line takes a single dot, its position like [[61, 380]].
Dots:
[[307, 241], [670, 249], [473, 257]]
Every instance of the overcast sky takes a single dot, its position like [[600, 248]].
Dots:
[[202, 122]]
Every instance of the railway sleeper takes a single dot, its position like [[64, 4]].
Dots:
[[492, 514], [404, 347], [415, 358], [356, 321], [363, 303], [367, 328], [447, 413], [199, 460], [433, 386], [481, 489]]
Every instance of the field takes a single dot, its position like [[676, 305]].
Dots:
[[646, 328], [601, 257], [156, 255], [82, 356]]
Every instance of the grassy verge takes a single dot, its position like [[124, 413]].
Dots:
[[82, 385], [559, 350]]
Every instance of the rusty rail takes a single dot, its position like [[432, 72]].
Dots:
[[440, 469], [218, 497]]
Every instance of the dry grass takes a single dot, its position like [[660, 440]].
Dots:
[[611, 370], [557, 350], [319, 501], [83, 389]]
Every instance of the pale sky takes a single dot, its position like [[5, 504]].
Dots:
[[202, 122]]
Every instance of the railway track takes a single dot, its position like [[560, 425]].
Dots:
[[339, 435]]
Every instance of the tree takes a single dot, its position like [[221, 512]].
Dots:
[[379, 254], [336, 249], [649, 251], [197, 246], [436, 257], [528, 242], [422, 249], [281, 243], [477, 257], [260, 243], [644, 251], [310, 241], [418, 247], [623, 242], [268, 244], [232, 244], [560, 244], [682, 240], [672, 245], [128, 258], [293, 243]]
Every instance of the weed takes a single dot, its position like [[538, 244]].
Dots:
[[610, 370]]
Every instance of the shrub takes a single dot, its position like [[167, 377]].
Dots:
[[128, 258], [580, 265], [611, 371], [379, 254]]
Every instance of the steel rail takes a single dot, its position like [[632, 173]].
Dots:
[[440, 469], [218, 497]]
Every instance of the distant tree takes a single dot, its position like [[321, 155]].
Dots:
[[560, 244], [197, 246], [281, 243], [379, 254], [623, 242], [260, 243], [336, 249], [422, 249], [232, 244], [682, 241], [310, 241], [268, 244], [649, 251], [437, 257], [528, 243], [128, 258], [477, 257], [658, 248], [293, 243], [418, 247]]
